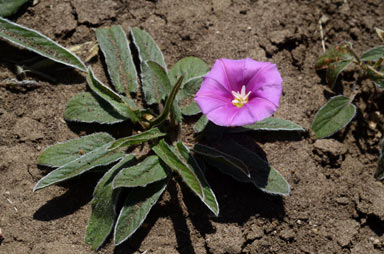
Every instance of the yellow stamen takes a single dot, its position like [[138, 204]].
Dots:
[[240, 98]]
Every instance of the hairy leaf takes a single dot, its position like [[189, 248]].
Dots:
[[146, 172], [191, 67], [269, 124], [124, 107], [180, 160], [377, 76], [153, 90], [103, 203], [99, 156], [168, 104], [333, 116], [191, 109], [9, 7], [373, 54], [136, 208], [38, 43], [63, 153], [236, 168], [88, 108], [161, 75], [335, 60], [262, 174], [201, 124], [137, 139], [115, 46]]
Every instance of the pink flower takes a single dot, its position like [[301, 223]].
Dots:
[[239, 92]]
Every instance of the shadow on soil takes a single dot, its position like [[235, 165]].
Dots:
[[235, 207]]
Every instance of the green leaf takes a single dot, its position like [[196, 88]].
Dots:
[[377, 76], [230, 164], [146, 172], [269, 124], [172, 159], [201, 124], [38, 43], [62, 153], [176, 113], [209, 198], [153, 90], [333, 116], [373, 54], [335, 60], [137, 139], [99, 156], [168, 104], [136, 208], [161, 75], [121, 104], [9, 7], [88, 108], [180, 160], [191, 109], [115, 46], [191, 67], [103, 203], [262, 174]]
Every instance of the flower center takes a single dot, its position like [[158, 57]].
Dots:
[[240, 98]]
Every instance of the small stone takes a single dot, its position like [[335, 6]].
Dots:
[[287, 234], [345, 231], [279, 37]]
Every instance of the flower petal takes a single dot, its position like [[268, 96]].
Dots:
[[213, 88], [266, 83], [218, 74], [234, 71], [210, 103], [223, 115]]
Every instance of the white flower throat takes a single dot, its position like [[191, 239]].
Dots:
[[240, 98]]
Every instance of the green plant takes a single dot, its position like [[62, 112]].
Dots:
[[156, 120], [339, 110]]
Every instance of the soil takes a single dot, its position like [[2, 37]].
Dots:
[[336, 205]]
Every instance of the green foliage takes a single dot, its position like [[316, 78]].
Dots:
[[115, 46], [333, 116], [180, 160], [256, 170], [339, 110], [38, 43], [136, 207], [153, 89], [137, 176], [97, 156], [89, 108], [123, 106], [9, 7], [269, 124], [146, 172], [335, 60], [103, 203]]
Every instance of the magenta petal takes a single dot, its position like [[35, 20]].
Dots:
[[234, 71], [213, 88], [208, 103], [268, 75], [216, 115], [261, 79], [218, 73]]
